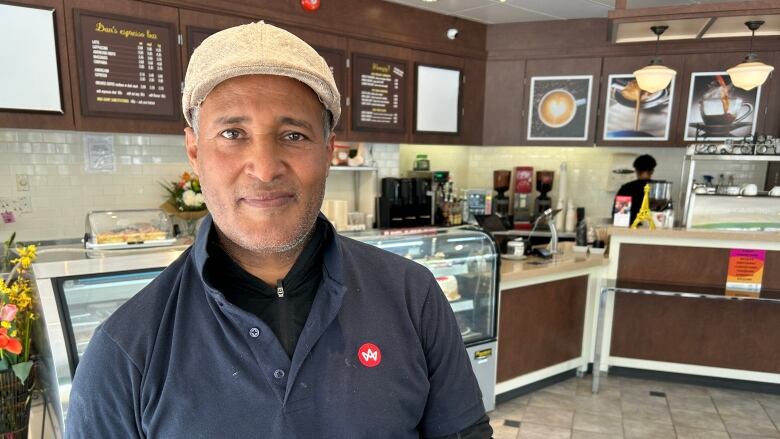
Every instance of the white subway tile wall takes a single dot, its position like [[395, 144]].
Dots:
[[61, 192], [588, 168]]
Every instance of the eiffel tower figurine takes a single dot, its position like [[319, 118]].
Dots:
[[644, 211]]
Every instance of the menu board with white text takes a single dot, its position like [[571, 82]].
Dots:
[[378, 93], [126, 66]]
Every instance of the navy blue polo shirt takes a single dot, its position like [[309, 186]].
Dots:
[[380, 356]]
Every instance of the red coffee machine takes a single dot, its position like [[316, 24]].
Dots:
[[522, 203]]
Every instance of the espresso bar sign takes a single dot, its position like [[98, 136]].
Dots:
[[379, 91], [126, 67]]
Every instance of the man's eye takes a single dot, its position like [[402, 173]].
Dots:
[[294, 137], [230, 134]]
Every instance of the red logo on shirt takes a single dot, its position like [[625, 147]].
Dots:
[[369, 355]]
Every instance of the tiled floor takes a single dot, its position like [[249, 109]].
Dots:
[[637, 409]]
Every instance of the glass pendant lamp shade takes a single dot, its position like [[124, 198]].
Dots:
[[656, 76], [751, 72]]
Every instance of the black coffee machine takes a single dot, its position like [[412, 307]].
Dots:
[[405, 202]]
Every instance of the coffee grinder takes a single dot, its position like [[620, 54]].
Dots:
[[544, 183], [501, 180], [522, 204]]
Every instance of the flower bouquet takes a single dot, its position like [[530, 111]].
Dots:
[[185, 201], [16, 317]]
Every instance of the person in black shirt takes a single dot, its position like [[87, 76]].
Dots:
[[644, 166]]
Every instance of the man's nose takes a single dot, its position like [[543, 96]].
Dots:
[[264, 160]]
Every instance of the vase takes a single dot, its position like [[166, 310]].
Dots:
[[15, 400]]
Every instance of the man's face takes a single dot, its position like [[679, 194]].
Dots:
[[262, 160]]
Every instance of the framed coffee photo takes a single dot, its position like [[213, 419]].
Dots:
[[634, 114], [717, 110], [559, 107]]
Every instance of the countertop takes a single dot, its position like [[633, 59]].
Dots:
[[565, 262], [719, 235]]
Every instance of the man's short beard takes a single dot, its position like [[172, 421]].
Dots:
[[262, 247]]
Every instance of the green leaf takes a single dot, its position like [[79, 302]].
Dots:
[[3, 364], [22, 370]]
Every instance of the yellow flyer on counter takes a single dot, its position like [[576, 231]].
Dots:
[[746, 272]]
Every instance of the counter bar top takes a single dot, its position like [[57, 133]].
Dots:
[[567, 261], [717, 235]]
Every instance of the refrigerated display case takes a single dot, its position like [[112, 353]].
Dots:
[[465, 263], [78, 289]]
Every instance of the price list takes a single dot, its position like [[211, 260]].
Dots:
[[126, 67], [335, 60], [379, 90]]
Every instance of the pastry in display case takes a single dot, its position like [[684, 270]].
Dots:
[[464, 262], [116, 229]]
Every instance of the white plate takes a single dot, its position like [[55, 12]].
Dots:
[[514, 257]]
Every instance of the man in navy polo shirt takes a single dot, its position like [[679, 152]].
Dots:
[[271, 325]]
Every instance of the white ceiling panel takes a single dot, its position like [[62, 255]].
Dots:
[[678, 30], [735, 26], [512, 11], [502, 13], [563, 10]]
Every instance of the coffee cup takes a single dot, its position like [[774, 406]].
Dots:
[[516, 247], [749, 190], [713, 112], [774, 192], [557, 108]]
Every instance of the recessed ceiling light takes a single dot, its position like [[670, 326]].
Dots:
[[429, 1]]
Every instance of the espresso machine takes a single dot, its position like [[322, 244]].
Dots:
[[661, 208], [404, 202], [544, 184], [501, 180], [522, 203]]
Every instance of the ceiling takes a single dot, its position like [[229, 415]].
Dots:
[[513, 11]]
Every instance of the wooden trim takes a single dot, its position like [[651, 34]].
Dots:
[[47, 120], [751, 7]]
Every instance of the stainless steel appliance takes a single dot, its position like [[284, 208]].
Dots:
[[544, 184], [501, 200]]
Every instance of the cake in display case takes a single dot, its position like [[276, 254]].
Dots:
[[117, 229]]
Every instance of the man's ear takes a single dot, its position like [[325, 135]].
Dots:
[[191, 145], [329, 145]]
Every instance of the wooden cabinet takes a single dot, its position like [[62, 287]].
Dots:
[[473, 101], [504, 93], [361, 50], [717, 62], [540, 326], [41, 120], [443, 61], [140, 12], [561, 86], [772, 117], [618, 121]]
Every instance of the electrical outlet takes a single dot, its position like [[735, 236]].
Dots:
[[22, 182]]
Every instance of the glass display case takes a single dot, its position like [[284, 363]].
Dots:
[[464, 261], [112, 229], [86, 301]]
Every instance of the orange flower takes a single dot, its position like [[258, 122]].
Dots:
[[9, 344]]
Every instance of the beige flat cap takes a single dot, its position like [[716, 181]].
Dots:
[[257, 49]]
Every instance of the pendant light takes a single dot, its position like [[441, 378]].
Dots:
[[750, 73], [655, 76]]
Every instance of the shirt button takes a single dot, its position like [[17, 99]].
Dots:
[[254, 332], [278, 374]]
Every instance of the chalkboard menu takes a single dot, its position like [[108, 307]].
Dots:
[[378, 90], [335, 60], [127, 66]]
